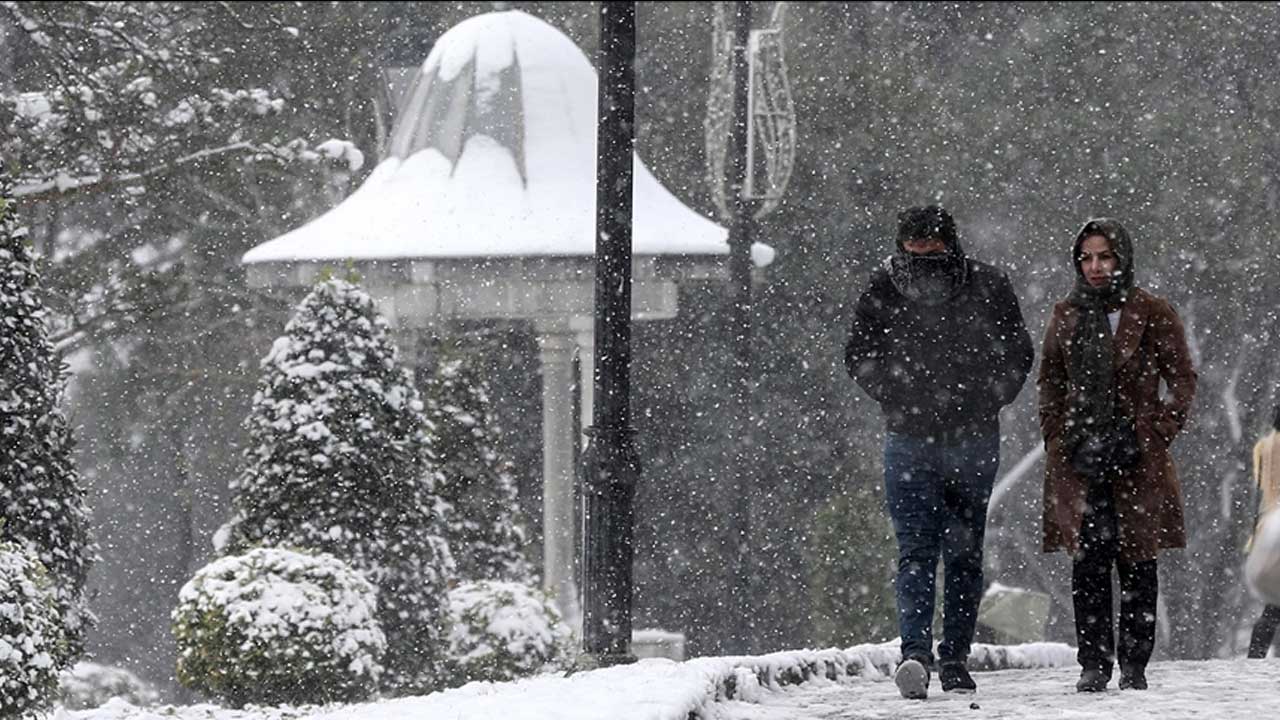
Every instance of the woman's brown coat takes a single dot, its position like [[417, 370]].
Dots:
[[1149, 346]]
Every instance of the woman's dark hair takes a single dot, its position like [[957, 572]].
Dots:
[[1275, 417]]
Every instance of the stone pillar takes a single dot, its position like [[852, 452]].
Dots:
[[408, 342], [559, 516]]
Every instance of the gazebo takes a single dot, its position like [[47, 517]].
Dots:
[[485, 208]]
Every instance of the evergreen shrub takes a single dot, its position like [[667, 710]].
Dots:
[[276, 626], [504, 631], [88, 685], [340, 462], [31, 635], [42, 500], [483, 528], [851, 566]]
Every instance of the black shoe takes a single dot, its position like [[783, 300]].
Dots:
[[1134, 678], [912, 678], [1260, 640], [1093, 680], [955, 677]]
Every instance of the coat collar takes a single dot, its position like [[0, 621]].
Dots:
[[1133, 320]]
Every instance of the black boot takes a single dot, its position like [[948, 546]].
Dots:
[[1263, 631], [955, 677], [1093, 680], [1133, 677]]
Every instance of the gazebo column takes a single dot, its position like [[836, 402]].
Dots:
[[412, 344], [559, 517]]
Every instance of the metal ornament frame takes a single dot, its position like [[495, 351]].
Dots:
[[771, 122], [719, 117]]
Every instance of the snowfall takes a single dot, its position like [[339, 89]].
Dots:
[[1023, 681], [1035, 680]]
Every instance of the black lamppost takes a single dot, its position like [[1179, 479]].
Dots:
[[740, 632], [610, 464], [750, 150]]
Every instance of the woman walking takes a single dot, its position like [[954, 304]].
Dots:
[[1111, 495], [1266, 472]]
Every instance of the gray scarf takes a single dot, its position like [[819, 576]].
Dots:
[[928, 279]]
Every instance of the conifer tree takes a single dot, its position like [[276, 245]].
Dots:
[[483, 530], [340, 464], [42, 502]]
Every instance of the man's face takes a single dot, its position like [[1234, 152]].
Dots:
[[1097, 261], [925, 246]]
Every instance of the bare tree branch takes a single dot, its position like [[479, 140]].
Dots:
[[62, 186]]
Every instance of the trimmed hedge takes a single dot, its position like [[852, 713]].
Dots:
[[89, 685], [275, 626], [32, 638], [339, 461], [503, 631]]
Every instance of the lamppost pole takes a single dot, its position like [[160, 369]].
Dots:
[[740, 633], [610, 464], [751, 141]]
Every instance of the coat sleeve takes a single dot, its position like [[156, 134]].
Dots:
[[866, 350], [1173, 360], [1257, 492], [1052, 381], [1257, 463], [1012, 343]]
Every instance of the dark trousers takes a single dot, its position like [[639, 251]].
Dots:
[[1264, 631], [1091, 592], [937, 495]]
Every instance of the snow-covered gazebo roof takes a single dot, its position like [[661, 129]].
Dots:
[[493, 155], [485, 208]]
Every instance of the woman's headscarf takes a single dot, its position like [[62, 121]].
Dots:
[[1090, 354]]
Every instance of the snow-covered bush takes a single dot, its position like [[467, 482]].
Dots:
[[276, 626], [851, 564], [340, 464], [31, 635], [503, 631], [89, 685], [483, 531], [41, 498]]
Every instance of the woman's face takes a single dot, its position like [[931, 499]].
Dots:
[[1097, 261]]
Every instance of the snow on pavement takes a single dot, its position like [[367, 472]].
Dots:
[[1211, 689], [1036, 681]]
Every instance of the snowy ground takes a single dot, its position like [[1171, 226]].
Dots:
[[1207, 690], [832, 684]]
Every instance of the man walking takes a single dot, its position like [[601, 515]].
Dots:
[[939, 341]]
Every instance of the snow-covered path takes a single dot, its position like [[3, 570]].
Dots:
[[828, 684], [1227, 689]]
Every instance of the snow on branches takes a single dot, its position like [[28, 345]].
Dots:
[[134, 93]]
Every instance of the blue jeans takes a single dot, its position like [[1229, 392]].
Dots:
[[937, 493]]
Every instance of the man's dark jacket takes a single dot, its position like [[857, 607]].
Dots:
[[941, 370]]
